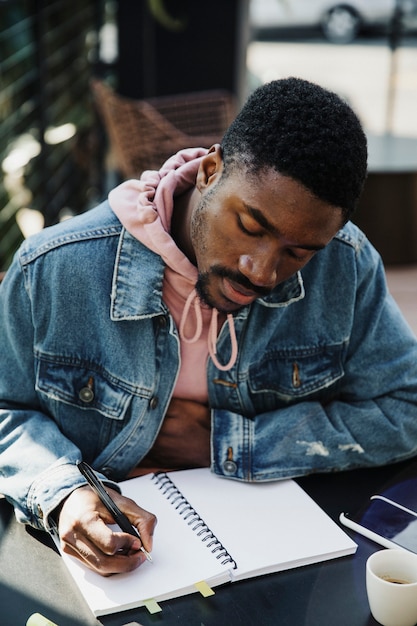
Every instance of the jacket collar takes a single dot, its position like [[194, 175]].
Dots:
[[133, 298], [286, 293]]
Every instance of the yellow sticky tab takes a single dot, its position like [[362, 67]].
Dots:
[[39, 620], [152, 606], [204, 589]]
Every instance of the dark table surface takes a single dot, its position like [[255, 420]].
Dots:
[[34, 579]]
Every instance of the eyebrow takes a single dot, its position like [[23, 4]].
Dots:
[[259, 217]]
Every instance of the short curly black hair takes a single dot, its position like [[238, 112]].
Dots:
[[303, 131]]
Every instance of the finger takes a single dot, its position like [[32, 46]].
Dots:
[[145, 525], [94, 530], [105, 564], [142, 520]]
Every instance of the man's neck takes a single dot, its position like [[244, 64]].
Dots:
[[181, 219]]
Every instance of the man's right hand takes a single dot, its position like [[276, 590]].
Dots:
[[85, 534]]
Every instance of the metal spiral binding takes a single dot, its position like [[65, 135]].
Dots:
[[193, 519]]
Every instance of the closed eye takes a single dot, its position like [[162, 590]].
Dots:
[[251, 233], [303, 256]]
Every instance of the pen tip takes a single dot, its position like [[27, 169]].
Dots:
[[147, 554]]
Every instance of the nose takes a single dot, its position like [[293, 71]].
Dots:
[[261, 270]]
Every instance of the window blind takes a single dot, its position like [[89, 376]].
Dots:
[[48, 152]]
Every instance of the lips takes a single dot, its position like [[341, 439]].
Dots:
[[238, 294]]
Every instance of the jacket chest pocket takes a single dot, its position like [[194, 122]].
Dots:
[[83, 386], [290, 375], [88, 403]]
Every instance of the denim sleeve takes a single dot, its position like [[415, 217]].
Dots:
[[371, 420], [37, 463]]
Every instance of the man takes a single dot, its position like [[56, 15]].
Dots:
[[221, 312]]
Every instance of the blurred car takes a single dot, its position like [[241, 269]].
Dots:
[[340, 21]]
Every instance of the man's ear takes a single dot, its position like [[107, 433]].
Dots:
[[211, 168]]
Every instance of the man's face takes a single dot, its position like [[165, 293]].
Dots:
[[252, 232]]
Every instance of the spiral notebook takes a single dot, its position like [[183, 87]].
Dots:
[[214, 530]]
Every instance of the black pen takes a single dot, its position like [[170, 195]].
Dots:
[[119, 517]]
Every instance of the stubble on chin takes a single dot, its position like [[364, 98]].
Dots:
[[202, 288]]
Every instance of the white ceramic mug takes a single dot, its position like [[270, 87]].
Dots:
[[391, 584]]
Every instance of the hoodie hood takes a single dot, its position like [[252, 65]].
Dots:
[[145, 208]]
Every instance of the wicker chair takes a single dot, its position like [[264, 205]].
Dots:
[[144, 133]]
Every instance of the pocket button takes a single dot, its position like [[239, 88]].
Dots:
[[86, 395]]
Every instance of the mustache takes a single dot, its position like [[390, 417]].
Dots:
[[239, 279]]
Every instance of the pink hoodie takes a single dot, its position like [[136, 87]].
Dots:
[[145, 208]]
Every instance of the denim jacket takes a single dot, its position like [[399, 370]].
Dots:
[[326, 376]]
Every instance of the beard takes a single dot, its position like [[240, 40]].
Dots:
[[203, 287]]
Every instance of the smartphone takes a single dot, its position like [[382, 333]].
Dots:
[[386, 522]]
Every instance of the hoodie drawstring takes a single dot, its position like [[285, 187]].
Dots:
[[198, 318], [212, 335], [212, 341]]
